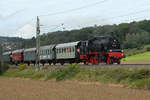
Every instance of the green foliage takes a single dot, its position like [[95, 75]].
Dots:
[[135, 78], [131, 35], [140, 74], [64, 74], [22, 67], [143, 83], [39, 74], [148, 48], [3, 68]]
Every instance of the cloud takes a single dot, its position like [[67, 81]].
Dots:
[[1, 17], [26, 31]]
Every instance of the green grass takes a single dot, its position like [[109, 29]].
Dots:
[[142, 58], [147, 46], [139, 78]]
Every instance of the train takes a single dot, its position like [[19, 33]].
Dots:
[[101, 49]]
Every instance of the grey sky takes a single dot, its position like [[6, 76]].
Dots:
[[18, 17]]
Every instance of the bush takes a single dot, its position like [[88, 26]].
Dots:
[[139, 74], [22, 67], [144, 83], [3, 68], [67, 73], [148, 49], [64, 74]]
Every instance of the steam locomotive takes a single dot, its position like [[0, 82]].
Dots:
[[103, 49]]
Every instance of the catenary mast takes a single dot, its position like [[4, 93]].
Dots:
[[37, 65]]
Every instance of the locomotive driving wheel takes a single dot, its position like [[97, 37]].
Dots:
[[92, 60]]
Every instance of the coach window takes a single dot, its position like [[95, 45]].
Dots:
[[45, 52], [73, 49], [62, 50], [70, 49], [48, 51], [59, 50]]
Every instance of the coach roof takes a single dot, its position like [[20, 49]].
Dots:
[[30, 49], [71, 44], [48, 47], [18, 51], [7, 53]]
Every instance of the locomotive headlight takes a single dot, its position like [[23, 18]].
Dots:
[[110, 50], [122, 51]]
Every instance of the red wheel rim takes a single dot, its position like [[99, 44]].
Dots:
[[92, 60]]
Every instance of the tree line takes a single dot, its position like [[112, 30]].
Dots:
[[131, 35]]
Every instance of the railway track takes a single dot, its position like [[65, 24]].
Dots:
[[100, 66], [126, 66]]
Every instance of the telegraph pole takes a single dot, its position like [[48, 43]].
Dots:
[[37, 65]]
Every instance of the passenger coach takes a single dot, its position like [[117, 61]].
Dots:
[[47, 54], [67, 53], [30, 55]]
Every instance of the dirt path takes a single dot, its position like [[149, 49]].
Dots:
[[25, 89]]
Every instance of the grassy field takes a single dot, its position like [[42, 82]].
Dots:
[[139, 78], [142, 58]]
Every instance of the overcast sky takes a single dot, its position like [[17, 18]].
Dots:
[[18, 17]]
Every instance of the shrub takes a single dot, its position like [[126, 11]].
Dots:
[[3, 68], [64, 74], [22, 67], [67, 73], [144, 83], [39, 74], [148, 49], [139, 74]]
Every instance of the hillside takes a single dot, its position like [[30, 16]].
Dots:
[[10, 43], [131, 35]]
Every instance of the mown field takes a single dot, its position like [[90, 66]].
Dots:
[[27, 89], [141, 58], [75, 83]]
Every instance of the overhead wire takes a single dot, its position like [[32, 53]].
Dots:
[[86, 6], [128, 14], [75, 9], [65, 11]]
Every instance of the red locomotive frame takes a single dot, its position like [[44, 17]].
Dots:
[[102, 57]]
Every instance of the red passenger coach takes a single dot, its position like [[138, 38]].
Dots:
[[17, 56]]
